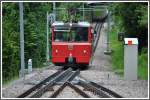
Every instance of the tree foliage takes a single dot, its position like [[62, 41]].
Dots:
[[65, 14], [34, 36], [71, 11], [133, 17]]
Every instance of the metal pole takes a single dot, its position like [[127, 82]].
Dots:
[[108, 51], [83, 11], [21, 38], [108, 31], [54, 10], [47, 50]]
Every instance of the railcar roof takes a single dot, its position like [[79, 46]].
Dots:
[[79, 24]]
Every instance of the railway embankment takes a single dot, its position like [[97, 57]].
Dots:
[[100, 72]]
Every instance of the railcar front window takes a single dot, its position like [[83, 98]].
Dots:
[[73, 34]]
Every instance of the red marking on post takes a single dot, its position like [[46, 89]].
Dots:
[[130, 42]]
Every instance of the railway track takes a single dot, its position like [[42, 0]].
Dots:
[[68, 78], [97, 27]]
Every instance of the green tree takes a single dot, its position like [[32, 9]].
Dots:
[[34, 34], [133, 17]]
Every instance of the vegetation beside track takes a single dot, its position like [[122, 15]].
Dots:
[[133, 21], [35, 37], [118, 57], [34, 33], [117, 52]]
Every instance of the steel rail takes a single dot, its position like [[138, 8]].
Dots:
[[83, 82], [79, 91], [73, 87], [39, 93], [93, 89], [68, 79], [98, 30], [112, 93], [39, 84]]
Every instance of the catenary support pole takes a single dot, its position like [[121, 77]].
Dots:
[[54, 10], [83, 11], [108, 50], [21, 38], [47, 46]]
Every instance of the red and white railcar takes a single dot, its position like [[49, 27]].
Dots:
[[71, 43]]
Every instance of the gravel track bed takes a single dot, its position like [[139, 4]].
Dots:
[[127, 89], [68, 92], [19, 86]]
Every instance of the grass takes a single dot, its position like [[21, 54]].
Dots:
[[117, 54], [143, 64], [7, 82], [118, 57]]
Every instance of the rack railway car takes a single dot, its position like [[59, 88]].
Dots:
[[71, 43]]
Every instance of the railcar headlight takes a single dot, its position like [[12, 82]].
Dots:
[[56, 51], [84, 51]]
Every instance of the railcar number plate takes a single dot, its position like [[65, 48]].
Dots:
[[70, 47]]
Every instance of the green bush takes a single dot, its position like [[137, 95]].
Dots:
[[117, 55], [34, 36], [143, 64]]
